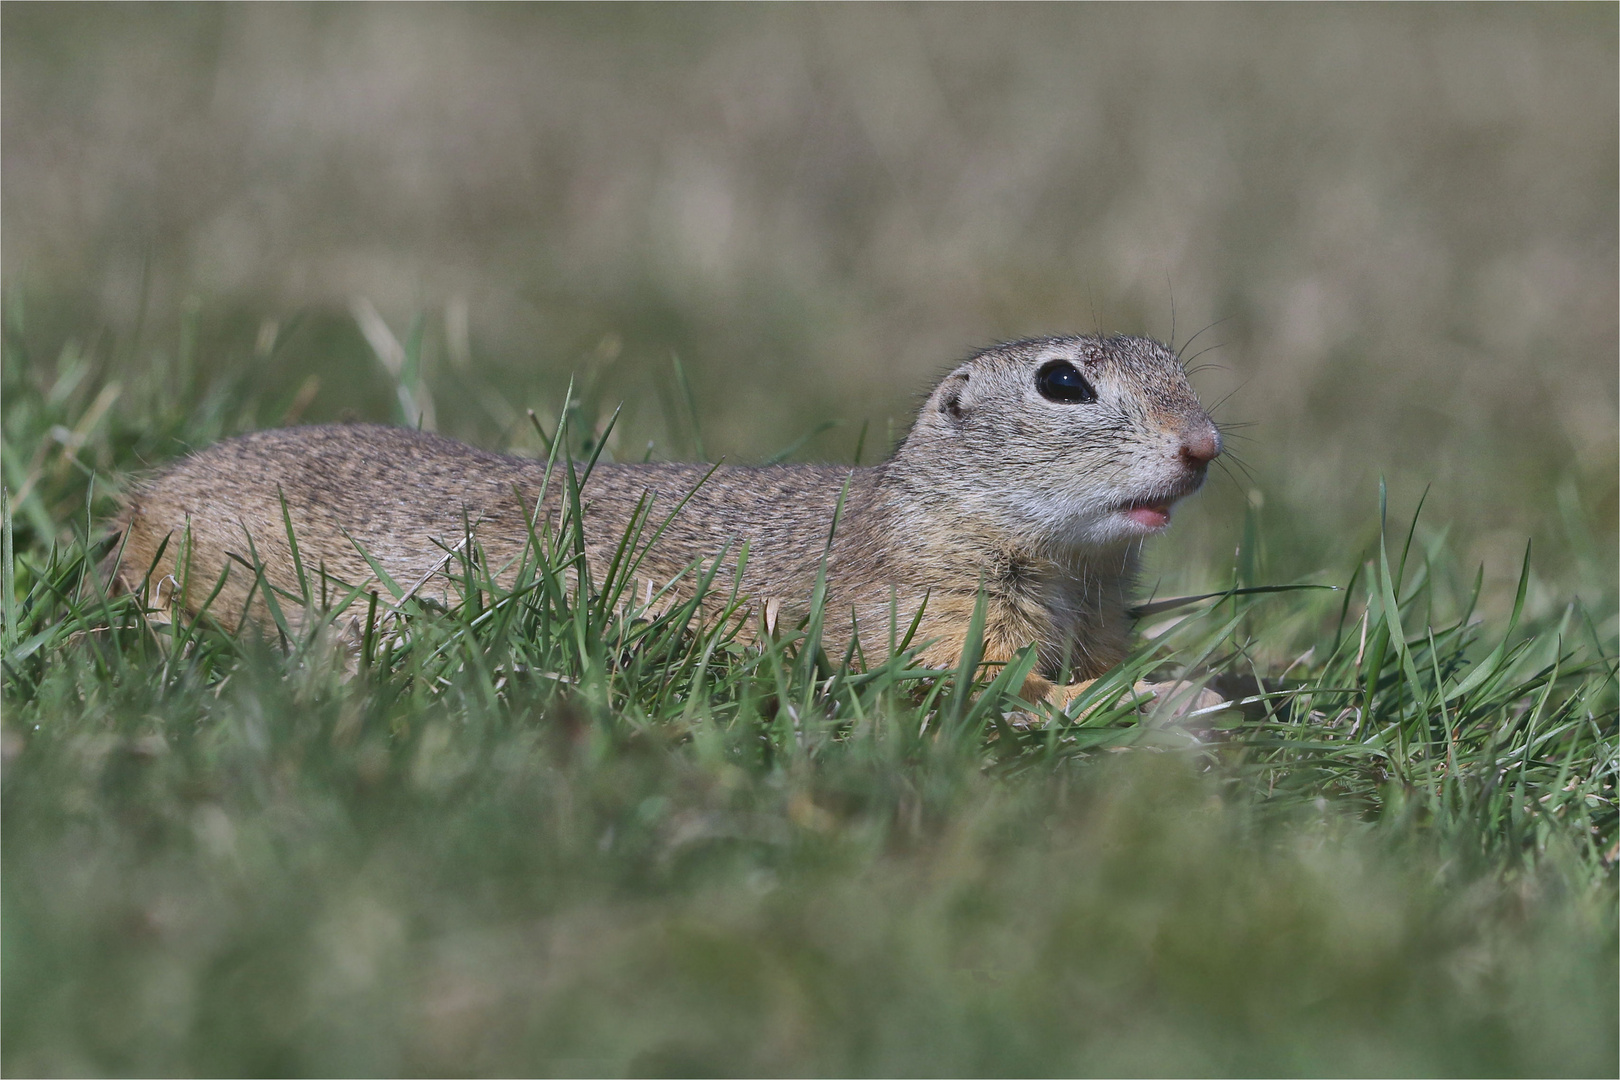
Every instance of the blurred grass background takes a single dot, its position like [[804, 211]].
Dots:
[[1398, 224], [1403, 220]]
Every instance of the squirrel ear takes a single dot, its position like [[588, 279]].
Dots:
[[950, 397]]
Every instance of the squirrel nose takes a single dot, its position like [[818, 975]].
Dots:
[[1200, 444]]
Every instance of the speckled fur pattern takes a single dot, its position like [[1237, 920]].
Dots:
[[995, 487]]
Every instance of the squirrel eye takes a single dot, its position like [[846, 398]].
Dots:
[[1062, 381]]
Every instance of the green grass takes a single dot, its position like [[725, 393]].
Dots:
[[541, 832]]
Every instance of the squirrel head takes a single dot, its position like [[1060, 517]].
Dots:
[[1065, 441]]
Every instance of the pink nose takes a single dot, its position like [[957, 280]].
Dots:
[[1200, 444]]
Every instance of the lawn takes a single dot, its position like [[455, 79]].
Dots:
[[542, 832]]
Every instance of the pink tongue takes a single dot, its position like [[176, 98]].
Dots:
[[1152, 517]]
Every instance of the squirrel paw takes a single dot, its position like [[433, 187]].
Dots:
[[1184, 699]]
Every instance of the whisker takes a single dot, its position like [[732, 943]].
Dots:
[[1172, 288], [1243, 465], [1201, 352], [1188, 343], [1232, 477], [1226, 462], [1227, 398]]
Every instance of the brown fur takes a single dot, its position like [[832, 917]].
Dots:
[[995, 486]]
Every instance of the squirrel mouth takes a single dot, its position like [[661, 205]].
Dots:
[[1150, 516]]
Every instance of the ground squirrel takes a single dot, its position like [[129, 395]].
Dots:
[[1034, 471]]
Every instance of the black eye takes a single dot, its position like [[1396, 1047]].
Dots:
[[1062, 381]]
